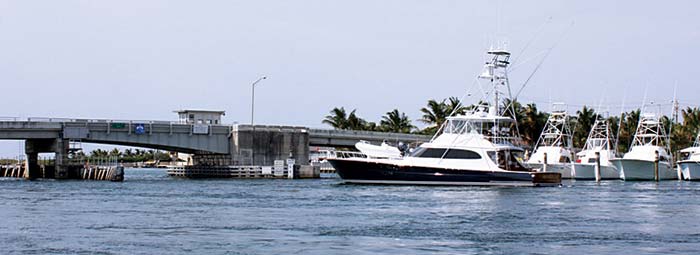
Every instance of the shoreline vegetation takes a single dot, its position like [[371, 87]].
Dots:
[[530, 122], [135, 157]]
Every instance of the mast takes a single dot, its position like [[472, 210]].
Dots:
[[496, 72]]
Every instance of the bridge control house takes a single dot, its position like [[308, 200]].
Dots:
[[200, 117]]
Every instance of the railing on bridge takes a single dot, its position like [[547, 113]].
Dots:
[[87, 120]]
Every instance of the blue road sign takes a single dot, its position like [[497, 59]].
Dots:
[[139, 129]]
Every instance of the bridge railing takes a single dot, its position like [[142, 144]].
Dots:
[[106, 121], [78, 120], [6, 118], [355, 133]]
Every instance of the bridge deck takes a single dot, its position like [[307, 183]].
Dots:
[[173, 136]]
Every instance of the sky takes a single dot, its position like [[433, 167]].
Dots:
[[140, 60]]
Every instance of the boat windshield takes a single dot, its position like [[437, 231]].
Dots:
[[685, 155], [495, 130], [509, 159]]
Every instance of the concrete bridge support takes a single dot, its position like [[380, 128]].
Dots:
[[262, 145], [35, 146]]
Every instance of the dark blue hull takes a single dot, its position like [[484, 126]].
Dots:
[[358, 171]]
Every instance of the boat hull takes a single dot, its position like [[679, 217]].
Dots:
[[364, 172], [643, 170], [690, 170], [587, 172]]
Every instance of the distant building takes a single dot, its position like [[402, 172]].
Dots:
[[200, 116]]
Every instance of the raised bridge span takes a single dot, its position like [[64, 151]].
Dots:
[[210, 144], [174, 136]]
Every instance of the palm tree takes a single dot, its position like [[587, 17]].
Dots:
[[584, 122], [532, 123], [434, 115], [371, 126], [683, 134], [354, 122], [454, 106], [627, 129], [397, 122], [338, 118], [115, 152]]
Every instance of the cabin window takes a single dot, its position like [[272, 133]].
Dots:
[[591, 160], [564, 159], [685, 155], [508, 160], [462, 154], [451, 153]]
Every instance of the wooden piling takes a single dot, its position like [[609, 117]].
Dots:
[[544, 165], [573, 168], [656, 166], [597, 166]]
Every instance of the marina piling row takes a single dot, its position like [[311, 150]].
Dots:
[[102, 173], [656, 166], [597, 166], [12, 171]]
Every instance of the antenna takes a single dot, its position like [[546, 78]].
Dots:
[[537, 33], [675, 117], [675, 103], [542, 61], [619, 122]]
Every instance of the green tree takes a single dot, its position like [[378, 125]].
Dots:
[[453, 106], [531, 124], [584, 120], [396, 122], [354, 122], [338, 118], [628, 127], [435, 113], [684, 133]]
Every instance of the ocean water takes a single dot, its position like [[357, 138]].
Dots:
[[151, 213]]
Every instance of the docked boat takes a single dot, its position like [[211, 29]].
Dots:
[[553, 150], [597, 153], [378, 151], [471, 149], [689, 164], [648, 158]]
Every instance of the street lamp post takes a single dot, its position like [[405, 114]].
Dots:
[[252, 101], [252, 119]]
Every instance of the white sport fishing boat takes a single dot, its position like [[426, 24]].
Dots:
[[649, 144], [554, 144], [599, 142], [471, 149], [689, 164]]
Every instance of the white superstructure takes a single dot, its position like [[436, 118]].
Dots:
[[599, 147], [556, 143], [650, 143], [689, 164]]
